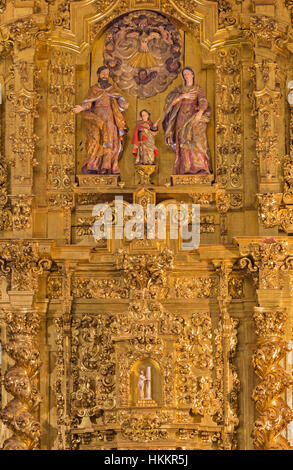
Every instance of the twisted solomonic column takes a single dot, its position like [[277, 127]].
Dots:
[[21, 380], [22, 262], [273, 412]]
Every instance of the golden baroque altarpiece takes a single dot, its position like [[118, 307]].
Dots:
[[79, 318]]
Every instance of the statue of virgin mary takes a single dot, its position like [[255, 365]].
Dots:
[[186, 115]]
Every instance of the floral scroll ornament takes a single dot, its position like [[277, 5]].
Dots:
[[143, 52]]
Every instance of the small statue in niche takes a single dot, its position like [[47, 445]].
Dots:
[[145, 390], [102, 110], [186, 115], [140, 384], [143, 139]]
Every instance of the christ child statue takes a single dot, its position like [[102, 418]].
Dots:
[[143, 140]]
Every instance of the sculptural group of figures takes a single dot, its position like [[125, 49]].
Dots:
[[185, 119]]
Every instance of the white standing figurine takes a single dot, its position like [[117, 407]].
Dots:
[[141, 380]]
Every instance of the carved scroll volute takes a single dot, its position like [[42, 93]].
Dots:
[[265, 259]]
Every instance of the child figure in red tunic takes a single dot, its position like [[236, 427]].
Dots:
[[143, 140]]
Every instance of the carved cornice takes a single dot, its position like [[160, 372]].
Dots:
[[199, 17], [265, 31]]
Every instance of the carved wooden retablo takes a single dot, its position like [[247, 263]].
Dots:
[[146, 221]]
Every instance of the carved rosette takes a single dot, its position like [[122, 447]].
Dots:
[[274, 413], [21, 380]]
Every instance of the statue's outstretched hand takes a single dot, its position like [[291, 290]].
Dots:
[[77, 109]]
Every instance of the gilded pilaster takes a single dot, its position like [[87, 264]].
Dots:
[[24, 100], [226, 348], [63, 384], [229, 130], [61, 136], [267, 36]]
